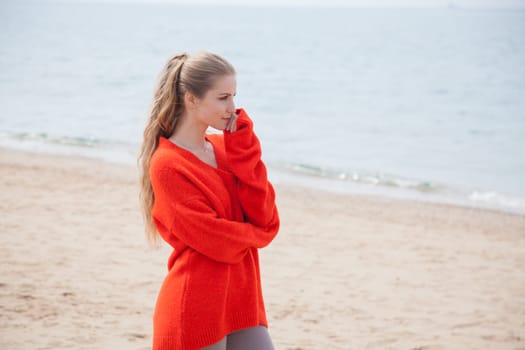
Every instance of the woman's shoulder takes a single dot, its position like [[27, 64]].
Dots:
[[165, 157]]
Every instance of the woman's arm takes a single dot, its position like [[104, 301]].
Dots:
[[256, 193], [187, 214]]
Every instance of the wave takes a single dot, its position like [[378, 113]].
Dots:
[[364, 177], [399, 186], [496, 198], [341, 180], [108, 150], [59, 140]]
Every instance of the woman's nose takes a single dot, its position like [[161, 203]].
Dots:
[[231, 107]]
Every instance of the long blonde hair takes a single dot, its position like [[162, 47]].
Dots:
[[196, 74]]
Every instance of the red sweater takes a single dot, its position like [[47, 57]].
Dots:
[[215, 219]]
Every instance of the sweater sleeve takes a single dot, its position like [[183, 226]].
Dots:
[[187, 214], [256, 193]]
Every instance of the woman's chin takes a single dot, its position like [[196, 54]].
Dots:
[[223, 125]]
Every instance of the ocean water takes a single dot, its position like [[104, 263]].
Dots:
[[425, 103]]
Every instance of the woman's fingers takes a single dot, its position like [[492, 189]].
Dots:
[[232, 123]]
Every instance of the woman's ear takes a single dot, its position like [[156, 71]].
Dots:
[[190, 100]]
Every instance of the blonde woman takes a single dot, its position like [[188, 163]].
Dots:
[[208, 197]]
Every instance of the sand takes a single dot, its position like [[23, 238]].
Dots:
[[346, 271]]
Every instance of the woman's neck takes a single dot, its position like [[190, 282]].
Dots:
[[189, 133]]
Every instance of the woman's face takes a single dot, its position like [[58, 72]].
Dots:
[[217, 106]]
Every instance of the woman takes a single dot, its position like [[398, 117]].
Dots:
[[207, 196]]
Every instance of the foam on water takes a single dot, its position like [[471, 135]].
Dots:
[[336, 180], [114, 152], [354, 181]]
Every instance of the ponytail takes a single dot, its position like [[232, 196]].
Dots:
[[168, 105]]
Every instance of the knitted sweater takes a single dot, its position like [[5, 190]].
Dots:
[[215, 219]]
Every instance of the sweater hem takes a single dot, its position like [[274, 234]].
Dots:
[[206, 337]]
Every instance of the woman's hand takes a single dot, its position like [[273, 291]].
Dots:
[[232, 123]]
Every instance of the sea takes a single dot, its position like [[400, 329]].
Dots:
[[424, 103]]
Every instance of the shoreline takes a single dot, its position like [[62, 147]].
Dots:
[[121, 155], [306, 183], [370, 271]]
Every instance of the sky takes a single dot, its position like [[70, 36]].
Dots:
[[345, 3]]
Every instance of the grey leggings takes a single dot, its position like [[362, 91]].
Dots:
[[256, 338]]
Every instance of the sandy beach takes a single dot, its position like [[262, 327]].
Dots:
[[346, 271]]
